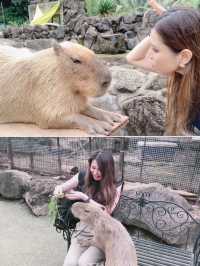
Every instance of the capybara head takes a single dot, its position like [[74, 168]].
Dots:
[[87, 212], [87, 74]]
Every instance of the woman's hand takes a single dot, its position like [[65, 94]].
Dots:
[[156, 6], [58, 191], [76, 195]]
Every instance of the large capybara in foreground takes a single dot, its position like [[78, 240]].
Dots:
[[50, 88], [109, 235]]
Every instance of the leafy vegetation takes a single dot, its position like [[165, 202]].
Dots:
[[52, 209], [120, 7], [15, 12]]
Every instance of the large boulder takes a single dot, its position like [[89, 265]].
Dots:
[[158, 210], [14, 183], [146, 116], [37, 198], [141, 96]]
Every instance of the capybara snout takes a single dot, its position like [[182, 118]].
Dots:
[[93, 77]]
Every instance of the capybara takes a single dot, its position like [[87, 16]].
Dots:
[[51, 88], [109, 235]]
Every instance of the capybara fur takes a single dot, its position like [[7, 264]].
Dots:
[[109, 235], [51, 88]]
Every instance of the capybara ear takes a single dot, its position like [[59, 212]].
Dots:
[[57, 48]]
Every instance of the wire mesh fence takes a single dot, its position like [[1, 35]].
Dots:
[[169, 161]]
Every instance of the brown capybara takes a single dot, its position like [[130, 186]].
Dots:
[[109, 235], [51, 88]]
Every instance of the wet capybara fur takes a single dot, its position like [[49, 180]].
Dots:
[[50, 88], [109, 235]]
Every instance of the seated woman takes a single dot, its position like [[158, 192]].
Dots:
[[173, 49], [99, 186]]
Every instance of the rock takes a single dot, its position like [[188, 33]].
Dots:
[[146, 116], [103, 26], [126, 80], [14, 183], [41, 189], [90, 36], [60, 33], [38, 196], [165, 220], [38, 44], [109, 44]]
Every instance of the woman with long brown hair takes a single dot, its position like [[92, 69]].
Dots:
[[173, 49], [98, 185]]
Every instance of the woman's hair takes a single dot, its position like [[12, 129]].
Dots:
[[103, 191], [180, 29]]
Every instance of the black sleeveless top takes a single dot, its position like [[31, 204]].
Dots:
[[81, 181]]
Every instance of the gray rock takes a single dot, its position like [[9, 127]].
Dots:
[[109, 44], [13, 184], [38, 196], [165, 220], [38, 44], [146, 115], [60, 33], [90, 37]]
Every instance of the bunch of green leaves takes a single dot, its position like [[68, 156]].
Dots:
[[91, 7], [52, 209], [106, 7], [100, 7], [16, 13], [130, 6]]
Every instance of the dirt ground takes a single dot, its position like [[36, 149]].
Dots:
[[26, 240]]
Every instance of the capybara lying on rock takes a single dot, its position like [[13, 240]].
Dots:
[[109, 235], [51, 87]]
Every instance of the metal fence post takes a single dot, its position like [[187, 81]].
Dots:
[[10, 153], [59, 156]]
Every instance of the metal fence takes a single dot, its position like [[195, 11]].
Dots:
[[171, 161]]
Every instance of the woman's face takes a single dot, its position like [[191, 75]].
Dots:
[[160, 57], [94, 169]]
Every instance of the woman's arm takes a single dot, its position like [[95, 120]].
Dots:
[[159, 9], [116, 200], [138, 56], [67, 186]]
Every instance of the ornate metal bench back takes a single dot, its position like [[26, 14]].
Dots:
[[165, 219]]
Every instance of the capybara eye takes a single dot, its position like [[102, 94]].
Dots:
[[105, 84], [76, 61]]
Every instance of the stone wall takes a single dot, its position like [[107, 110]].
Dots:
[[102, 34]]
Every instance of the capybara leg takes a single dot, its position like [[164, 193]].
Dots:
[[86, 242], [103, 115], [79, 121]]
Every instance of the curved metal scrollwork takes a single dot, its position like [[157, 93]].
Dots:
[[167, 220], [196, 252]]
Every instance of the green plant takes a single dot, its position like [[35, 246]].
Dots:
[[91, 7], [16, 12], [106, 6], [52, 208]]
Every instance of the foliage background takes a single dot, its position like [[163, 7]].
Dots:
[[16, 11]]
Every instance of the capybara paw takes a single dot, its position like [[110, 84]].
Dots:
[[85, 242], [112, 118], [100, 128]]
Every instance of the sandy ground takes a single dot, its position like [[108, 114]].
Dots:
[[26, 240]]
